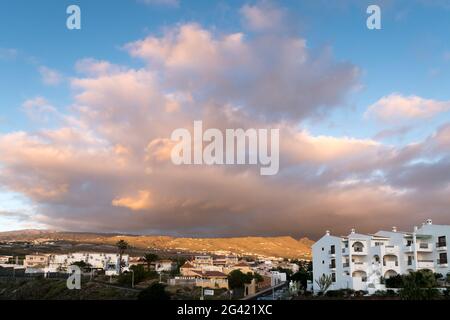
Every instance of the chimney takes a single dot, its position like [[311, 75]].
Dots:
[[394, 229], [327, 232], [353, 231], [429, 222]]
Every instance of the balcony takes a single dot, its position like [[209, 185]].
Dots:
[[332, 253], [425, 264], [441, 246], [442, 263], [391, 250], [419, 247], [332, 266], [345, 251], [346, 265], [390, 264], [359, 251], [359, 265]]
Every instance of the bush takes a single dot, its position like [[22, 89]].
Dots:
[[394, 282], [156, 291], [335, 293], [385, 293], [140, 274], [420, 285]]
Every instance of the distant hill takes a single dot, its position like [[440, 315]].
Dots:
[[285, 247]]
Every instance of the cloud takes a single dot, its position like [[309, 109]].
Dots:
[[49, 76], [264, 16], [104, 164], [276, 77], [93, 67], [396, 107], [140, 202], [38, 108], [8, 53]]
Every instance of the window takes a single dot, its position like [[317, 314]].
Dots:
[[333, 277], [323, 262], [333, 249], [443, 258], [409, 243], [410, 260], [323, 248], [333, 263], [442, 242]]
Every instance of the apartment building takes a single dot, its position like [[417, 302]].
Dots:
[[5, 259], [361, 261], [104, 261], [36, 261]]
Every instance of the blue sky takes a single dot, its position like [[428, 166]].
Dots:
[[409, 56]]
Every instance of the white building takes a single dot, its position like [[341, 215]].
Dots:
[[104, 261], [277, 278], [359, 261], [5, 259], [165, 266]]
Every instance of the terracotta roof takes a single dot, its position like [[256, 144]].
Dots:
[[210, 274], [187, 265], [241, 264]]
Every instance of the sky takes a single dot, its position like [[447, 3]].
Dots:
[[86, 115]]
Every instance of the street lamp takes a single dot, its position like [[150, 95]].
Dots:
[[132, 278]]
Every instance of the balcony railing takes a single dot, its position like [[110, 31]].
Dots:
[[441, 261], [332, 266], [346, 265], [390, 263], [331, 252], [441, 245], [424, 245], [429, 264]]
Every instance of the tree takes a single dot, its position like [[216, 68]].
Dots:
[[420, 285], [394, 281], [139, 273], [302, 276], [83, 265], [237, 279], [324, 282], [149, 258], [122, 246], [258, 278], [154, 292]]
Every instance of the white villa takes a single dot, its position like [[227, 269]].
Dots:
[[359, 261], [58, 262]]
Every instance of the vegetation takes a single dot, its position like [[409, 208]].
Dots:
[[149, 258], [394, 282], [237, 279], [140, 274], [122, 246], [420, 285], [54, 289], [156, 291], [324, 282], [83, 265], [302, 276]]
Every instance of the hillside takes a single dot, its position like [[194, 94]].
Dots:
[[286, 247]]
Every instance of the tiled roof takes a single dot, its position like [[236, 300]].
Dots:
[[187, 265]]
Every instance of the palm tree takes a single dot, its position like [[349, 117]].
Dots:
[[122, 245], [149, 258]]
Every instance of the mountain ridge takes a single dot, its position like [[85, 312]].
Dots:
[[279, 246]]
